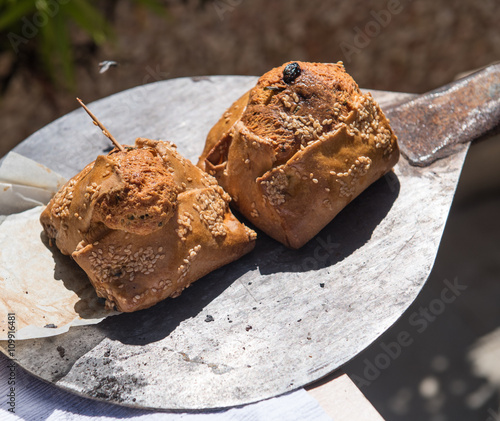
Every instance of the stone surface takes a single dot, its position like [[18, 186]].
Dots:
[[281, 318]]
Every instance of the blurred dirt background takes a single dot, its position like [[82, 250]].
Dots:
[[424, 45], [421, 45]]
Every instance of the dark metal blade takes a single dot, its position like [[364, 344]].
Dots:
[[282, 318], [431, 126]]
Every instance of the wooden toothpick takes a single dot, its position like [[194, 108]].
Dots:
[[101, 126]]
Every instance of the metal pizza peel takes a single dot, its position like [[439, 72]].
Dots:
[[277, 319]]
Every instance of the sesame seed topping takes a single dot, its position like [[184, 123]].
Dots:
[[348, 179], [185, 226], [275, 187], [211, 208], [115, 263], [183, 269]]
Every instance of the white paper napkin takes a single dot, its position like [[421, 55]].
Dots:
[[25, 184], [25, 262]]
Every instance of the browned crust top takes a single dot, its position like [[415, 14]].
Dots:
[[292, 114]]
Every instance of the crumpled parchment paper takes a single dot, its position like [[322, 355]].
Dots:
[[46, 291]]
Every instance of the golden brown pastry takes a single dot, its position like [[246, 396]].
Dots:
[[298, 147], [144, 224]]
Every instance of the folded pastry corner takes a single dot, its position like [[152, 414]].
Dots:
[[144, 224], [298, 147]]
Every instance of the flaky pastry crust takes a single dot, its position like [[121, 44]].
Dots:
[[144, 224], [298, 147]]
